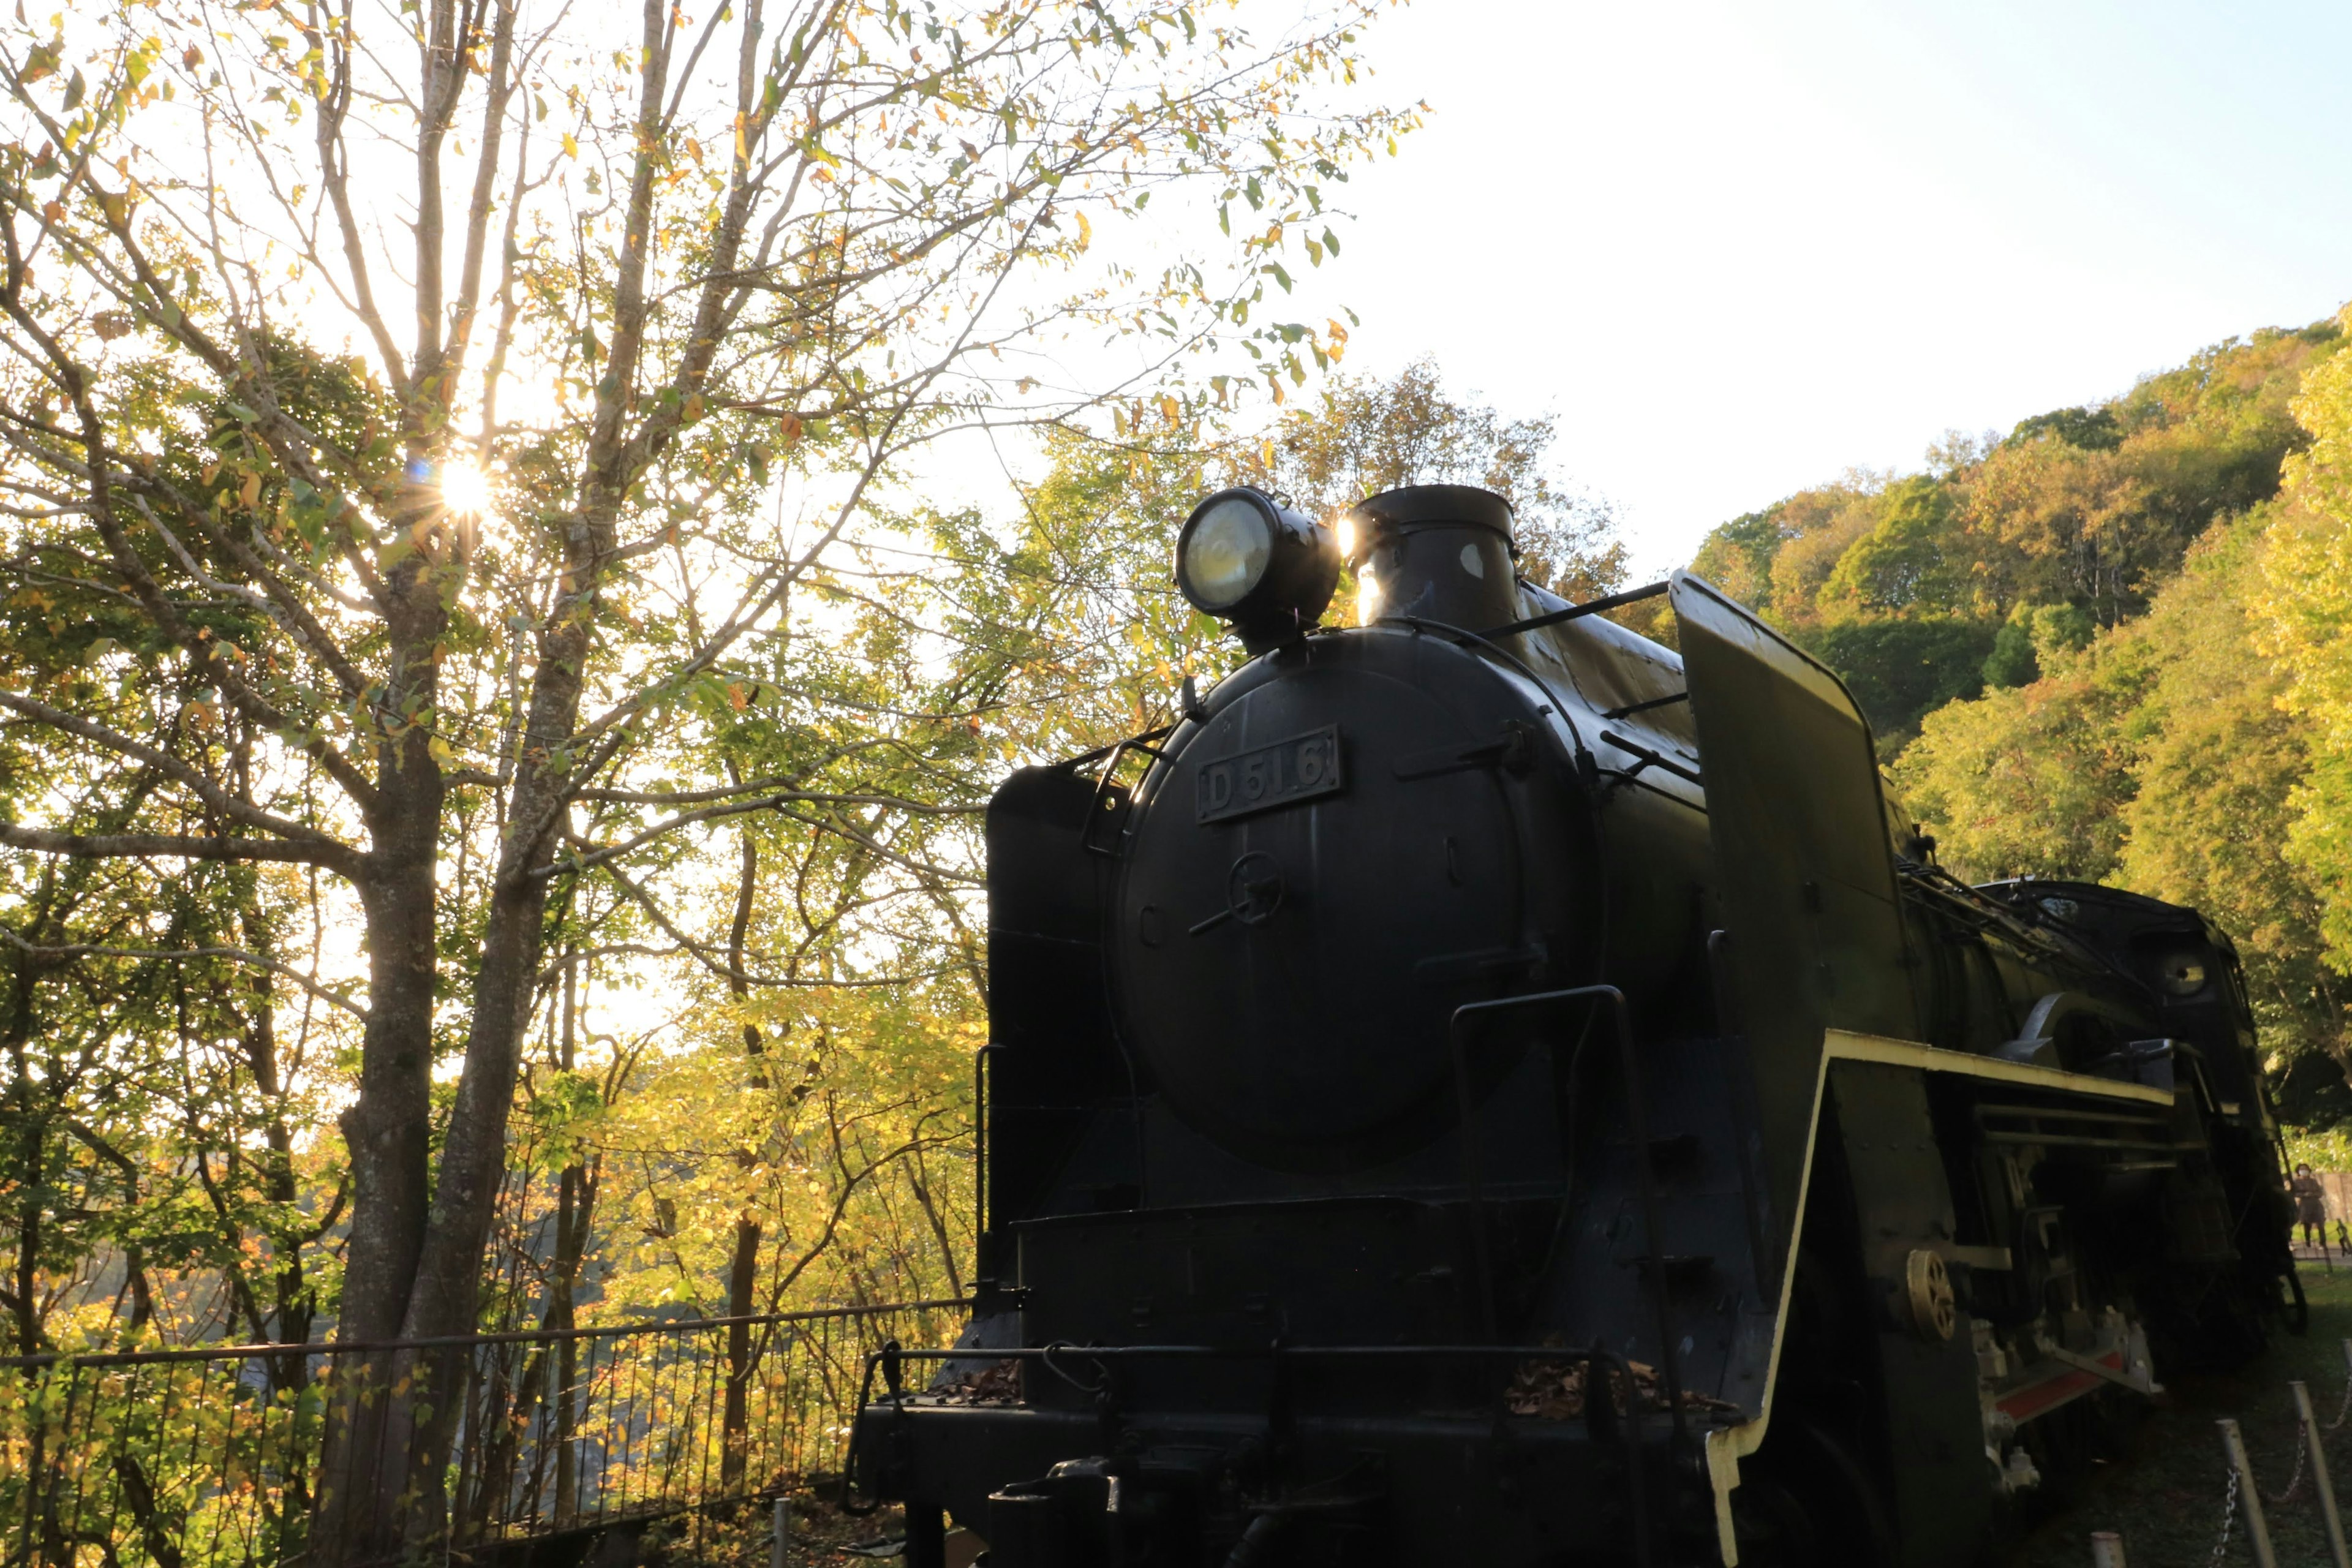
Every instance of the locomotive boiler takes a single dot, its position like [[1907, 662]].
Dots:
[[1495, 1090]]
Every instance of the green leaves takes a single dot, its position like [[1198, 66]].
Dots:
[[564, 1110]]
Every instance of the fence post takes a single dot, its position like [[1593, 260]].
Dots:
[[778, 1547], [2106, 1549], [2326, 1488], [2250, 1495]]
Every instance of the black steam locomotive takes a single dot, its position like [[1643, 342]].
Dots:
[[1497, 1090]]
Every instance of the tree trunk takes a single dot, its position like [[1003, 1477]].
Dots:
[[389, 1130], [743, 1279], [448, 1275], [743, 1268]]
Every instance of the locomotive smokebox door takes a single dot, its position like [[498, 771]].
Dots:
[[1331, 864], [1803, 863]]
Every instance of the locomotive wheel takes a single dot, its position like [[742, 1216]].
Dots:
[[1806, 1502]]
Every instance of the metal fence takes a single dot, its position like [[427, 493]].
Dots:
[[191, 1459]]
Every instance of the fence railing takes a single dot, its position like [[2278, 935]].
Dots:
[[204, 1458]]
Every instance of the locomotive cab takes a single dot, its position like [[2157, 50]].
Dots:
[[1496, 1089]]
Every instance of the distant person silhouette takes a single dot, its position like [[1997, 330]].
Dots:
[[2310, 1206]]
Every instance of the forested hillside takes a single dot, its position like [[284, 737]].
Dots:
[[2111, 645]]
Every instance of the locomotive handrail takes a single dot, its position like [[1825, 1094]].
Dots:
[[1650, 759], [1104, 782], [979, 1087], [1590, 608]]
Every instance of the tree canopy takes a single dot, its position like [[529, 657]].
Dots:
[[1921, 589], [474, 665]]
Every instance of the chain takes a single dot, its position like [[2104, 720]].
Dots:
[[2229, 1519], [2346, 1408], [2294, 1482]]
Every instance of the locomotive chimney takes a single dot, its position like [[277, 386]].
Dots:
[[1434, 553]]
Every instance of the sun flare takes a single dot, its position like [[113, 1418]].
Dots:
[[464, 490]]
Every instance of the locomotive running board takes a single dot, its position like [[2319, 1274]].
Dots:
[[1727, 1446]]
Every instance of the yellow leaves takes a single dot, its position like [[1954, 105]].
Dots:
[[1086, 229], [571, 145], [735, 697], [42, 61], [250, 492]]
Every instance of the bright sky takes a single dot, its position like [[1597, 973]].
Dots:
[[1737, 248]]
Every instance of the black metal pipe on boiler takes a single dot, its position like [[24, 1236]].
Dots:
[[1577, 612]]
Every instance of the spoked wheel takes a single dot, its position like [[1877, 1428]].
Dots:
[[1806, 1502]]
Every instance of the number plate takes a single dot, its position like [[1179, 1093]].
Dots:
[[1288, 772]]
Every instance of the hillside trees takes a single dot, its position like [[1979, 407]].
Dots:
[[2027, 780], [2100, 647], [2155, 757], [2306, 608], [2219, 768], [1921, 589], [639, 334]]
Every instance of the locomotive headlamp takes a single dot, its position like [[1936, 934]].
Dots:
[[1266, 569], [2184, 974]]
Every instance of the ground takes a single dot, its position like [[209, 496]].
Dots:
[[2164, 1499], [822, 1537]]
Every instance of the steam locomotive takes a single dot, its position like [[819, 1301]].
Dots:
[[1494, 1089]]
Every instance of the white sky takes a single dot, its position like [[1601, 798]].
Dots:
[[1739, 247]]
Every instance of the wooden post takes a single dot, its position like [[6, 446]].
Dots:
[[779, 1543], [2250, 1495], [2326, 1487]]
